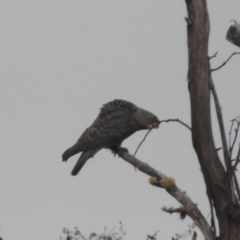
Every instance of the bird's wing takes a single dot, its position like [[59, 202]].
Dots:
[[106, 129]]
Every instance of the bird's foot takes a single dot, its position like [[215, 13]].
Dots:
[[117, 149], [122, 149]]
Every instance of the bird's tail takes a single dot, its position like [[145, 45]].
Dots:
[[83, 159], [70, 152]]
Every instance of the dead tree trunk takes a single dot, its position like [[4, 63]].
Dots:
[[220, 191]]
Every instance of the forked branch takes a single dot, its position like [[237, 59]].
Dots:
[[224, 63], [227, 153], [231, 169], [213, 56], [159, 179], [231, 172]]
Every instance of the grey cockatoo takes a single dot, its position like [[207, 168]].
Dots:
[[116, 121]]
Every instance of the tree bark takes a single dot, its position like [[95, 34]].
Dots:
[[219, 192]]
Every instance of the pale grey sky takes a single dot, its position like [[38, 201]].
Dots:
[[60, 61]]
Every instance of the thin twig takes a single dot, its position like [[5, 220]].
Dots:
[[232, 20], [176, 120], [187, 233], [230, 138], [235, 118], [235, 136], [231, 172], [237, 160], [215, 69], [213, 56], [142, 142]]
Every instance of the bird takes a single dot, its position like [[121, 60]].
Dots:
[[117, 120]]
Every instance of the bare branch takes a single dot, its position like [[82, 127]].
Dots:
[[235, 136], [220, 122], [176, 120], [236, 186], [213, 56], [215, 69], [235, 118], [231, 172], [142, 142], [237, 159], [227, 156], [161, 180], [230, 138]]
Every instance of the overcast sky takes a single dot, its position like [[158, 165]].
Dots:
[[60, 61]]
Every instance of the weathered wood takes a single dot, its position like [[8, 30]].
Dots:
[[199, 73], [233, 34]]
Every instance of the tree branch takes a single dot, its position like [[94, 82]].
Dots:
[[231, 147], [237, 186], [161, 180], [176, 120], [213, 56], [202, 134], [142, 142], [230, 138], [215, 69], [220, 122], [237, 159], [231, 172], [235, 137], [227, 156]]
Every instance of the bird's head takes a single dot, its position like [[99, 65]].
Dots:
[[146, 119]]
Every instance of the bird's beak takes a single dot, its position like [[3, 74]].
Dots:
[[153, 125]]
